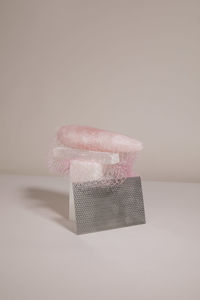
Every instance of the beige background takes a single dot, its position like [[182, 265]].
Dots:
[[128, 66]]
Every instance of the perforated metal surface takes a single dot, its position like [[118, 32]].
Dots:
[[104, 207]]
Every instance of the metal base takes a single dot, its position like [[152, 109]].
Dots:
[[106, 207]]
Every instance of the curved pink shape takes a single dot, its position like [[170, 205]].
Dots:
[[89, 138]]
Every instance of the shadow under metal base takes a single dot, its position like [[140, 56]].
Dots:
[[106, 207]]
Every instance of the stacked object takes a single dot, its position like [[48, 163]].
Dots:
[[105, 192]]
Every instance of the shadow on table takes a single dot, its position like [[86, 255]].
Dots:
[[51, 204]]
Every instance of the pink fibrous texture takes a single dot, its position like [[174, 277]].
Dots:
[[90, 138], [93, 154]]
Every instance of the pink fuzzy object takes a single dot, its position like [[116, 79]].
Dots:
[[94, 139], [87, 153]]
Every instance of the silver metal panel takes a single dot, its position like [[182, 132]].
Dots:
[[100, 207]]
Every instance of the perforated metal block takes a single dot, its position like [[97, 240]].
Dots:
[[100, 207]]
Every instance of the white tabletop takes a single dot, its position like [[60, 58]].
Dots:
[[40, 258]]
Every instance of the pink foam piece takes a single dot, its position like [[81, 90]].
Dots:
[[89, 138]]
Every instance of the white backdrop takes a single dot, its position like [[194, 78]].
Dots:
[[127, 66]]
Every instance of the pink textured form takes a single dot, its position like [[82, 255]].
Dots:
[[88, 138], [89, 147]]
